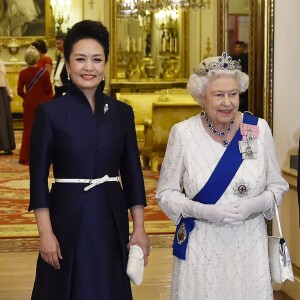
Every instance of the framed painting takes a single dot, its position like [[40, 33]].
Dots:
[[26, 20]]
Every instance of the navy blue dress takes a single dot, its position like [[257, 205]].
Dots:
[[91, 226]]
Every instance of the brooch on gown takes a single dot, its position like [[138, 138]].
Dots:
[[105, 108], [181, 234], [248, 146], [241, 188]]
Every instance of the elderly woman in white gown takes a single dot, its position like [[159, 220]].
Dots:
[[219, 180]]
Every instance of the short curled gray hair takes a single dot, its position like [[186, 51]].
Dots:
[[31, 56], [197, 85]]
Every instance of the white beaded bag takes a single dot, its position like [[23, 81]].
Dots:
[[279, 257]]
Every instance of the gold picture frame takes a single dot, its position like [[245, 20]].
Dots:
[[184, 40], [45, 17]]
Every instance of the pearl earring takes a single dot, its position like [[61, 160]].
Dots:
[[69, 76]]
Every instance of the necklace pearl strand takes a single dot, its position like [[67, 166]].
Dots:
[[221, 134]]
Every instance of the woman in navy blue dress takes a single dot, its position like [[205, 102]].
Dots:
[[90, 140]]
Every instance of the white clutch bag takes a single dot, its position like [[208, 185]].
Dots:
[[135, 265]]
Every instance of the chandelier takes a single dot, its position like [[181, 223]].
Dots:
[[60, 11], [135, 8]]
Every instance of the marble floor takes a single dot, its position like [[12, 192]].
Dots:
[[17, 270]]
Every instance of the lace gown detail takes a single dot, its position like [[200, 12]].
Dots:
[[223, 262]]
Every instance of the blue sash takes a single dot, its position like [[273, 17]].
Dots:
[[214, 187], [34, 80]]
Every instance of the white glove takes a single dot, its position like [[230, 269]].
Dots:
[[217, 214], [260, 203]]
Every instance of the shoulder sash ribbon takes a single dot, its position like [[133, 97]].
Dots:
[[34, 80], [209, 194]]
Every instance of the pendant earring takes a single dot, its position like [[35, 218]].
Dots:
[[69, 78], [201, 104], [202, 107]]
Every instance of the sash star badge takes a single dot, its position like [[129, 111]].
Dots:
[[241, 188]]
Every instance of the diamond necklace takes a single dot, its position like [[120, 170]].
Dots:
[[221, 134]]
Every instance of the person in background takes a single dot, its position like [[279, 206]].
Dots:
[[219, 181], [240, 52], [7, 138], [44, 61], [34, 86], [90, 140], [61, 80]]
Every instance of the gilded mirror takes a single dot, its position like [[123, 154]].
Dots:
[[260, 52], [148, 46]]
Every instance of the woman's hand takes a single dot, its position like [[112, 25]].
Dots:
[[218, 214], [258, 204], [139, 236], [50, 250], [49, 246]]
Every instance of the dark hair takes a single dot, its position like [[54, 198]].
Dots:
[[60, 36], [87, 29], [241, 43], [40, 45]]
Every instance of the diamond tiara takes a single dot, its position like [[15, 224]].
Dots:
[[224, 62]]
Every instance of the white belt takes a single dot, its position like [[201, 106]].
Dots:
[[92, 182]]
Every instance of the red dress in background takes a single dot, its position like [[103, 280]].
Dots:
[[39, 93], [44, 60]]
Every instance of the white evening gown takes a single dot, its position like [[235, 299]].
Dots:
[[223, 262]]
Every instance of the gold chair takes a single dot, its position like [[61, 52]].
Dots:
[[157, 129], [141, 104], [172, 91]]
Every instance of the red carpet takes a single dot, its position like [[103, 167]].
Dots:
[[16, 222]]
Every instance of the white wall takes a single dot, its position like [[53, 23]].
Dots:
[[287, 78], [287, 120]]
